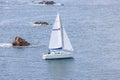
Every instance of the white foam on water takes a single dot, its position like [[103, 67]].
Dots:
[[5, 45], [8, 45]]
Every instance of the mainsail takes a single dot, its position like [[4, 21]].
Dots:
[[56, 37], [59, 39]]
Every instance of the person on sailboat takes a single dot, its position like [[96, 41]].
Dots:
[[48, 51]]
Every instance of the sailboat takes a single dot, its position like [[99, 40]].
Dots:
[[59, 45]]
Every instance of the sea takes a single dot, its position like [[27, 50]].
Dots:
[[93, 27]]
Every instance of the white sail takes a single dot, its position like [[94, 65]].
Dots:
[[67, 43], [56, 37]]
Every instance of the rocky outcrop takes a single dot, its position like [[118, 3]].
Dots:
[[47, 2], [44, 2], [18, 41], [41, 23]]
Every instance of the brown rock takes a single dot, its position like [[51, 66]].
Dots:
[[20, 42]]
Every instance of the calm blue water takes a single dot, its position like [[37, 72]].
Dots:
[[93, 27]]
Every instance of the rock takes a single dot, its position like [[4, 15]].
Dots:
[[41, 23], [20, 42], [47, 2], [44, 2]]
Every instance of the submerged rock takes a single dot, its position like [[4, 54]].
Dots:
[[41, 23], [47, 2], [18, 41], [44, 2]]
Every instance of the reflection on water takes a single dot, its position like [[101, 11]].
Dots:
[[60, 69]]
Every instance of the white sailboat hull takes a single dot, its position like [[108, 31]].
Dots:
[[58, 55]]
